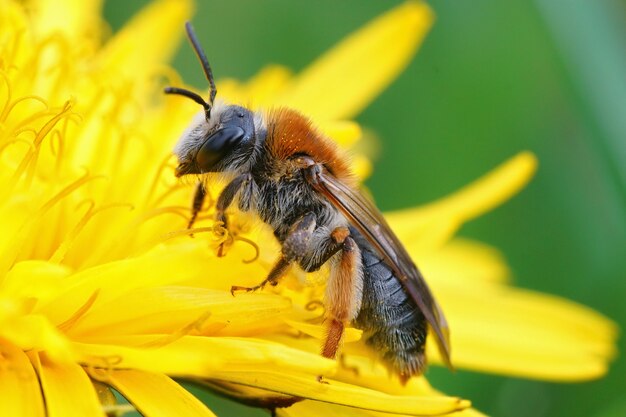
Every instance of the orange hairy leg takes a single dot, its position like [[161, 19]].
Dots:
[[343, 293]]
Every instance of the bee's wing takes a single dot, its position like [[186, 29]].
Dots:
[[366, 218]]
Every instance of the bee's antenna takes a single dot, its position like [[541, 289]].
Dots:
[[207, 72], [191, 34], [190, 94]]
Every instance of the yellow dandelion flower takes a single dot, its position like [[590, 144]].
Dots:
[[101, 286]]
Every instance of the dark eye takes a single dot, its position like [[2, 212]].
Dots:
[[217, 146]]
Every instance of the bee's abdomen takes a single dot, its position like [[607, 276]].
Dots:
[[392, 323]]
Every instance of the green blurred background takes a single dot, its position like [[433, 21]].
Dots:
[[492, 78]]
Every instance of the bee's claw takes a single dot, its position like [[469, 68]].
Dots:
[[320, 379], [236, 288]]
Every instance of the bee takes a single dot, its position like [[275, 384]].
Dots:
[[298, 182]]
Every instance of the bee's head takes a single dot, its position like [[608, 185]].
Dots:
[[221, 138], [222, 142]]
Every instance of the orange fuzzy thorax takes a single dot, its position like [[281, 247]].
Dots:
[[290, 133]]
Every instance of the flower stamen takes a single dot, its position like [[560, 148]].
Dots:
[[165, 163], [314, 305], [8, 258], [118, 410], [41, 134], [195, 325], [102, 372], [65, 246], [9, 107], [78, 314], [15, 140], [184, 232], [257, 250]]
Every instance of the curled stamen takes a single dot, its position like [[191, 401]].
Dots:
[[56, 147], [27, 121], [69, 189], [177, 210], [66, 245], [195, 325], [157, 176], [171, 190], [27, 142], [314, 305], [8, 257], [11, 106], [254, 245], [74, 318], [135, 224], [118, 410], [41, 134], [184, 232], [102, 372], [171, 235], [28, 129], [219, 231], [4, 112], [88, 201]]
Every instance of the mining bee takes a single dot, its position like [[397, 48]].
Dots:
[[298, 182]]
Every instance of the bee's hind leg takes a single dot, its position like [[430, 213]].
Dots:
[[294, 248], [344, 292]]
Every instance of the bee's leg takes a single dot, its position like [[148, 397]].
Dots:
[[294, 247], [343, 294], [226, 198], [198, 201], [276, 273], [327, 246]]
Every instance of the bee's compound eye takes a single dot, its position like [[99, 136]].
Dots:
[[217, 146]]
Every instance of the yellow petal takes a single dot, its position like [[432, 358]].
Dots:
[[34, 278], [518, 332], [20, 394], [203, 357], [317, 409], [157, 395], [68, 390], [36, 332], [433, 224], [344, 132], [148, 40], [167, 309], [363, 371], [261, 89], [162, 266], [463, 261], [319, 332], [74, 18], [335, 392], [361, 166], [346, 79]]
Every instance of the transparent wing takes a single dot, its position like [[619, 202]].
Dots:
[[366, 218]]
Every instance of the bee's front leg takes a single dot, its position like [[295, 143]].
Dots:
[[227, 197], [294, 248], [198, 202]]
